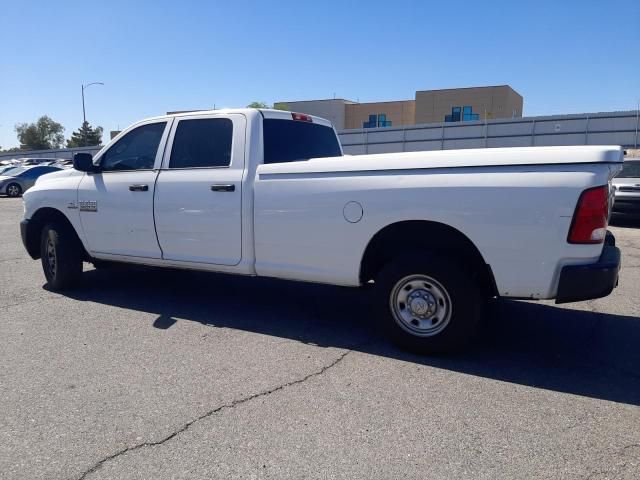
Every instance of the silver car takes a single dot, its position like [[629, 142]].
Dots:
[[627, 188], [25, 161], [17, 180]]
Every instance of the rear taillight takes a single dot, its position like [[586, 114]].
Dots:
[[590, 218], [301, 117]]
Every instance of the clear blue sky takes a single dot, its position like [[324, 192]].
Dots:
[[154, 56]]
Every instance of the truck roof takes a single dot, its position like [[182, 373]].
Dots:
[[264, 112]]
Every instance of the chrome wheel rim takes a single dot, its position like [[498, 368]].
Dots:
[[51, 255], [12, 190], [420, 305]]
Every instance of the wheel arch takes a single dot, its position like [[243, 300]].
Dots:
[[38, 220], [397, 238]]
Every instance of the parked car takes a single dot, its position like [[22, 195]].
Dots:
[[63, 163], [37, 161], [627, 188], [5, 169], [19, 179], [252, 192], [10, 163]]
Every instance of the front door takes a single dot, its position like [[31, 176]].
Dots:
[[198, 198], [116, 205]]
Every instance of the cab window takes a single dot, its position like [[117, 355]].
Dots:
[[136, 150], [291, 141], [202, 143]]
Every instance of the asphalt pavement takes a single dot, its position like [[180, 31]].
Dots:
[[155, 374]]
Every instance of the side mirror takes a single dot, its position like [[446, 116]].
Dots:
[[84, 163]]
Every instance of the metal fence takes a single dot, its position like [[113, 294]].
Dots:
[[610, 128], [66, 153]]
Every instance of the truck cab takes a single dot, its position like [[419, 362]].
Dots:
[[171, 190]]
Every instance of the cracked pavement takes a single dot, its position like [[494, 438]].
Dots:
[[142, 373]]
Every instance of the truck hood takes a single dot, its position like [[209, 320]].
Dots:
[[484, 157], [69, 172]]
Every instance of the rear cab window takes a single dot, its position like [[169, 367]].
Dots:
[[288, 140]]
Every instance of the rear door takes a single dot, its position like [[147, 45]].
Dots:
[[198, 198]]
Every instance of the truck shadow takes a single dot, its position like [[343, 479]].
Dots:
[[538, 345]]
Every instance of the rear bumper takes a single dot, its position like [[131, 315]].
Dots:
[[596, 280]]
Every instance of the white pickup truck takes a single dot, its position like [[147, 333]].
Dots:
[[269, 193]]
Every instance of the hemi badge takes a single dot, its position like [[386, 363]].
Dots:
[[88, 205]]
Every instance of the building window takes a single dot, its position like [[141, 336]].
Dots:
[[382, 120], [455, 115], [372, 123], [468, 115], [379, 120], [464, 114]]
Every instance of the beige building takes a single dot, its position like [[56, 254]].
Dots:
[[467, 104], [429, 106], [402, 112]]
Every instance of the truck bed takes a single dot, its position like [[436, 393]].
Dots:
[[485, 157]]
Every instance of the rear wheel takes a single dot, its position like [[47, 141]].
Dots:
[[61, 256], [13, 190], [428, 303]]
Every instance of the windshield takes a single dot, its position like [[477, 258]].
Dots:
[[14, 171], [630, 169]]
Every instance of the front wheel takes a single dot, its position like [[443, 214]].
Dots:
[[13, 190], [61, 256], [428, 303]]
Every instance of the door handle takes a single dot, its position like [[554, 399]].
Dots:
[[223, 188], [138, 188]]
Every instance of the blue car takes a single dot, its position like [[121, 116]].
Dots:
[[16, 181]]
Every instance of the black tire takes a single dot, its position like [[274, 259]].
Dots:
[[13, 190], [440, 290], [59, 241]]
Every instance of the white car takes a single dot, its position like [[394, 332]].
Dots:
[[627, 188], [28, 161], [268, 193]]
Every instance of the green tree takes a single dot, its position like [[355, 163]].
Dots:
[[85, 136], [282, 106], [276, 106], [258, 105], [43, 135], [9, 150]]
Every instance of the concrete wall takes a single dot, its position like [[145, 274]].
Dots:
[[402, 112], [66, 153], [333, 110], [499, 102], [612, 128]]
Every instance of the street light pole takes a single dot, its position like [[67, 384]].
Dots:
[[637, 123], [84, 115]]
